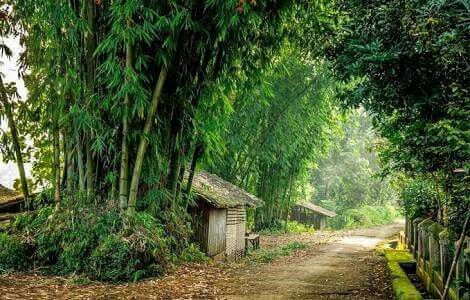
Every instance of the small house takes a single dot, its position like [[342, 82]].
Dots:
[[219, 214], [311, 214], [10, 200]]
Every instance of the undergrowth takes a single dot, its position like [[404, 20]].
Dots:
[[366, 216], [268, 255], [94, 242], [290, 227]]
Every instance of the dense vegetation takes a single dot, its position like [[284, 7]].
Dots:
[[125, 97], [348, 179], [406, 62]]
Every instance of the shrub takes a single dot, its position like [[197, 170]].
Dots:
[[192, 253], [13, 254], [365, 216], [418, 198], [296, 227], [92, 241], [290, 227], [113, 260], [265, 256]]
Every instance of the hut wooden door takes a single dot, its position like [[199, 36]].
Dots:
[[216, 231]]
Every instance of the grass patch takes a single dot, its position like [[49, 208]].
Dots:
[[290, 227], [266, 256]]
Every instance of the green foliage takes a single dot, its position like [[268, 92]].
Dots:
[[94, 242], [119, 258], [419, 198], [291, 227], [404, 61], [266, 256], [278, 125], [347, 180], [192, 253], [364, 216], [296, 227], [13, 253]]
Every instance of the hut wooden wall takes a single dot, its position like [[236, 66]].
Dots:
[[209, 228], [216, 231], [306, 216], [236, 229]]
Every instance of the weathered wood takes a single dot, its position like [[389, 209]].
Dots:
[[216, 231], [252, 239], [235, 236]]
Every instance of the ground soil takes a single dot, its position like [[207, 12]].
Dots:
[[335, 266]]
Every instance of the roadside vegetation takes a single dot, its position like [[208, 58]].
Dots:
[[356, 106]]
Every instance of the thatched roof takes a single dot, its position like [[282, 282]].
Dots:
[[221, 193], [9, 197], [317, 209]]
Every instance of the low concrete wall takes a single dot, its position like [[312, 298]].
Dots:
[[433, 250]]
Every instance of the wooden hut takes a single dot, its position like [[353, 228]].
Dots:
[[219, 215], [311, 214], [10, 200]]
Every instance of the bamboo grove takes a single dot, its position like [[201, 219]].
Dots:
[[114, 85], [128, 98]]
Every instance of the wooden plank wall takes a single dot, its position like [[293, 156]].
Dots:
[[236, 229], [216, 231], [308, 217]]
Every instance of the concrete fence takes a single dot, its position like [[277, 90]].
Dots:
[[433, 250]]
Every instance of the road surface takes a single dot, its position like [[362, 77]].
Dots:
[[345, 269]]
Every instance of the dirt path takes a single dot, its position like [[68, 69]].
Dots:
[[345, 269], [332, 267]]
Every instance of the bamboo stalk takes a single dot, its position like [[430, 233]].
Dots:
[[124, 171], [144, 142]]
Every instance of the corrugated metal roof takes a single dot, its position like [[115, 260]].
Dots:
[[318, 209], [221, 193]]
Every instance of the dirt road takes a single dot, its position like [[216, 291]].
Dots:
[[332, 267], [345, 269]]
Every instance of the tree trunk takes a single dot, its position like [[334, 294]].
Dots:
[[56, 147], [197, 153], [80, 166], [70, 165], [65, 150], [90, 46], [124, 172], [89, 169], [144, 142], [16, 144]]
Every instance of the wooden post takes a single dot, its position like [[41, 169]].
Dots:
[[456, 256], [416, 237], [444, 244]]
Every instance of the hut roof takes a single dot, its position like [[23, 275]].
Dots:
[[317, 209], [8, 196], [221, 193]]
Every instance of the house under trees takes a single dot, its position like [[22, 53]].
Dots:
[[219, 215], [311, 214]]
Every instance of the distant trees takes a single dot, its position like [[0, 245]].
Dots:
[[348, 179], [278, 127]]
